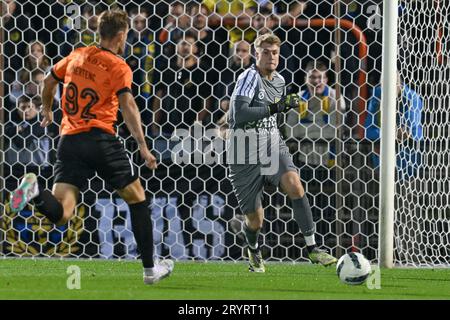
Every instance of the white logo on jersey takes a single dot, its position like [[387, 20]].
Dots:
[[261, 94]]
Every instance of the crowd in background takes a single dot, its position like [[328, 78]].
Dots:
[[186, 56]]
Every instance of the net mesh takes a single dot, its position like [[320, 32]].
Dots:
[[422, 186], [186, 57]]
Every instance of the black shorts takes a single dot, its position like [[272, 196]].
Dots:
[[80, 155]]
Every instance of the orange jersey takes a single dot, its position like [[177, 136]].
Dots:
[[93, 79]]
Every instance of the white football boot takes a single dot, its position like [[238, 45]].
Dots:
[[27, 190], [255, 260], [161, 270]]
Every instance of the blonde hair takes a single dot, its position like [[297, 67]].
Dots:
[[267, 38], [112, 22]]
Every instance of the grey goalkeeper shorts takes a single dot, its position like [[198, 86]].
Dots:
[[248, 180]]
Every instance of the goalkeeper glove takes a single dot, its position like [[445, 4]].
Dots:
[[286, 103]]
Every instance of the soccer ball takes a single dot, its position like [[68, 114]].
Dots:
[[353, 268]]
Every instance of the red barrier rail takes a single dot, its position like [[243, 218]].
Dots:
[[362, 55], [244, 22]]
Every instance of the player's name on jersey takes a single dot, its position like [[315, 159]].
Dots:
[[83, 73], [98, 63]]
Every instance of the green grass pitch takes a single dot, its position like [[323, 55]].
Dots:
[[100, 279]]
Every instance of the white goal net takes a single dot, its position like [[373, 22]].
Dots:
[[422, 215], [186, 57]]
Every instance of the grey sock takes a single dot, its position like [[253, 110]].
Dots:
[[251, 236], [303, 215]]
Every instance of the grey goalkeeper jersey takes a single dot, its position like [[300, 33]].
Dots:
[[250, 98], [249, 112]]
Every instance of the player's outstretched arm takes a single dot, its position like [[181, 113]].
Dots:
[[243, 113], [48, 93], [132, 119]]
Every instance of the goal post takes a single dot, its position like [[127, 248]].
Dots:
[[388, 132]]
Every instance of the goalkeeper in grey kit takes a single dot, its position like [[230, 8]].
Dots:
[[257, 154]]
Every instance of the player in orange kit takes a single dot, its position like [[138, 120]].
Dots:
[[96, 81]]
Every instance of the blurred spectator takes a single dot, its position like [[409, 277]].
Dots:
[[28, 80], [213, 44], [69, 27], [139, 54], [176, 10], [200, 21], [314, 125], [192, 17], [179, 15], [81, 31], [242, 57], [29, 143], [176, 25], [263, 21], [33, 88], [409, 128], [316, 42], [312, 131], [237, 63], [289, 11], [17, 34], [17, 88], [36, 58], [242, 11], [8, 9], [26, 85], [89, 34], [183, 89], [265, 5]]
